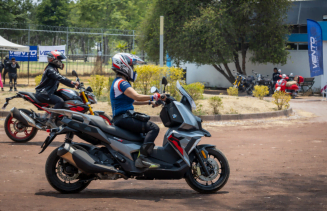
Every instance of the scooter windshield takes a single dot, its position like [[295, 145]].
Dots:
[[184, 93]]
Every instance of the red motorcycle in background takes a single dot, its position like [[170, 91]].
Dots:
[[20, 130], [288, 86]]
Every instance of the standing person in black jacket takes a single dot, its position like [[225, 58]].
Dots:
[[6, 64], [276, 75], [13, 73], [50, 82]]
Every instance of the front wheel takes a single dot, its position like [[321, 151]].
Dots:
[[63, 176], [218, 168], [18, 132]]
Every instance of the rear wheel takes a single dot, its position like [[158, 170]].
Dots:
[[218, 168], [63, 176], [18, 132]]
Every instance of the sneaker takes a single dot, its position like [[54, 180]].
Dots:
[[144, 162], [2, 89], [15, 90]]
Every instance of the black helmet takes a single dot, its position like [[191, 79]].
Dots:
[[7, 57], [55, 57]]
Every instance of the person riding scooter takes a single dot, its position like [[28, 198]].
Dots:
[[123, 97], [50, 82]]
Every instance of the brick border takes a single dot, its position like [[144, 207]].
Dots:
[[225, 117]]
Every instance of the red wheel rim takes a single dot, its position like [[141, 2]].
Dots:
[[11, 129], [106, 118]]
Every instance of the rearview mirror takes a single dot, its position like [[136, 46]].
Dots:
[[74, 73], [164, 81], [154, 90]]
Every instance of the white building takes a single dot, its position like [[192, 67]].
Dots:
[[298, 61]]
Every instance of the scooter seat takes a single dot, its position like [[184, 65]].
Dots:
[[115, 131]]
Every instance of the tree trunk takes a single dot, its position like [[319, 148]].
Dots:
[[228, 75], [243, 51]]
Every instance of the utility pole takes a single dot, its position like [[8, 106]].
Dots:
[[161, 40], [67, 50], [29, 53]]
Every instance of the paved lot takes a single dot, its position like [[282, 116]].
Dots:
[[273, 167]]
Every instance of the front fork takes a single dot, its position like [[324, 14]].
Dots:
[[200, 159], [87, 102]]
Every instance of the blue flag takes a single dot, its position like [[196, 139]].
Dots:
[[23, 56], [315, 48]]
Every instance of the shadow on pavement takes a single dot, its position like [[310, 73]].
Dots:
[[286, 192]]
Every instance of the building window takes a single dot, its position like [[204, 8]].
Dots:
[[295, 29], [303, 46], [291, 46], [303, 29]]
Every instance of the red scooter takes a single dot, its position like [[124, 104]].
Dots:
[[287, 86]]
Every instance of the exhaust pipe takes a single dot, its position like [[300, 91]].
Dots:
[[83, 161], [22, 117]]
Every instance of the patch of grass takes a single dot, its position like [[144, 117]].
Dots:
[[199, 111], [232, 111]]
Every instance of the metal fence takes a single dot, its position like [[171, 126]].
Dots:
[[89, 50]]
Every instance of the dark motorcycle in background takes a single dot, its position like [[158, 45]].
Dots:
[[244, 83], [19, 129], [112, 151], [264, 81]]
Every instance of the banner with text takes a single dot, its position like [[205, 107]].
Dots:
[[315, 48], [44, 50], [23, 56]]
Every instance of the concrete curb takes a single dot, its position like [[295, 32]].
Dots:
[[229, 117], [4, 113], [225, 117]]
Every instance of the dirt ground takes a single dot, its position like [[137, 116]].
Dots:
[[277, 164]]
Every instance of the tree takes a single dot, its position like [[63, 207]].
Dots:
[[16, 11], [219, 32], [53, 12]]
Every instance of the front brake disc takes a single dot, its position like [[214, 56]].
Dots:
[[214, 167]]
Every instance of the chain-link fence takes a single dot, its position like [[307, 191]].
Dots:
[[89, 50]]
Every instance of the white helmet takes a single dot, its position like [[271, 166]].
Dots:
[[123, 63], [291, 74], [283, 76], [279, 70]]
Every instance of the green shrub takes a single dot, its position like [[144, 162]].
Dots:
[[38, 79], [195, 90], [148, 76], [174, 74], [260, 91], [232, 91], [98, 83], [215, 103], [111, 79], [281, 99]]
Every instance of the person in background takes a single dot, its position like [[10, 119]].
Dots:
[[1, 68], [276, 75], [6, 64], [13, 73], [49, 84]]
